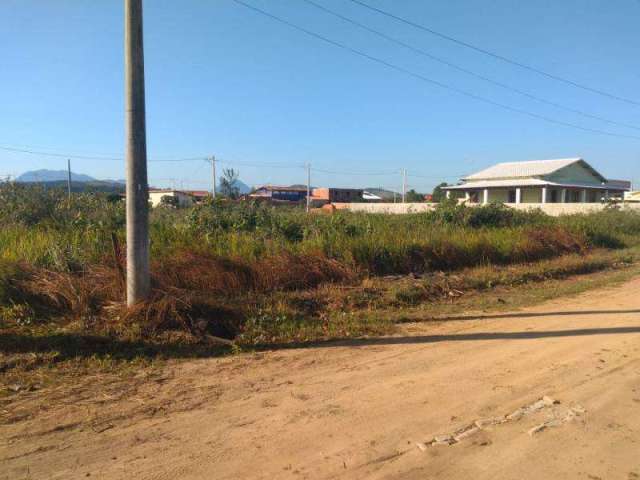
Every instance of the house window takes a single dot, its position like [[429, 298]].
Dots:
[[574, 196], [511, 197], [554, 196]]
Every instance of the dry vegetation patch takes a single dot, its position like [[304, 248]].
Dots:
[[260, 276]]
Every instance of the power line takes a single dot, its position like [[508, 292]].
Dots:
[[467, 71], [65, 155], [335, 172], [252, 164], [429, 80], [461, 175], [156, 160], [91, 157], [496, 55], [203, 158]]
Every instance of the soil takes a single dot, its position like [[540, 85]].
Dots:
[[547, 392]]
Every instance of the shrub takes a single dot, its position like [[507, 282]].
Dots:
[[493, 215], [57, 255]]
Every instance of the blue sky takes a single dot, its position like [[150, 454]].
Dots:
[[224, 80]]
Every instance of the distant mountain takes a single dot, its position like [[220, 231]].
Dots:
[[79, 181], [242, 187], [52, 176]]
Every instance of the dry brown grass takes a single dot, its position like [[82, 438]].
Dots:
[[193, 292], [216, 275]]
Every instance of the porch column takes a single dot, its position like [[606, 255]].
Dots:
[[583, 195], [448, 194], [518, 195], [563, 195], [544, 195], [485, 196], [466, 196]]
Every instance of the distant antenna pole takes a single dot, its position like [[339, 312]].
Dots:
[[69, 178], [308, 186], [404, 184], [213, 175], [138, 283]]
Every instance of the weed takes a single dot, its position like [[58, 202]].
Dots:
[[217, 264]]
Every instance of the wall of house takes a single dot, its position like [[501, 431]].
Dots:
[[500, 195], [155, 197], [320, 193], [183, 200], [531, 195], [289, 195], [345, 195], [574, 173]]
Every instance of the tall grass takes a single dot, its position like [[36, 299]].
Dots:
[[203, 256], [43, 229]]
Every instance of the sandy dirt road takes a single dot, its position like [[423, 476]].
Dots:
[[370, 408]]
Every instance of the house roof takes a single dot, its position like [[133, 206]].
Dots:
[[281, 188], [171, 191], [198, 193], [370, 196], [523, 182], [533, 168], [164, 190], [620, 184]]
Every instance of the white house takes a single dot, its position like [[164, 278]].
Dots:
[[181, 199], [568, 180]]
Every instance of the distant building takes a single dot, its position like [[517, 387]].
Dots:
[[279, 193], [632, 196], [370, 197], [176, 198], [384, 195], [336, 195], [570, 180], [198, 195]]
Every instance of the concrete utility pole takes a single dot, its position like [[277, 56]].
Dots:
[[404, 185], [308, 187], [138, 283], [69, 178], [213, 175]]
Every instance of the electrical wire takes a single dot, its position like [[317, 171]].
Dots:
[[462, 175], [259, 165], [335, 172], [91, 157], [221, 161], [52, 154], [469, 72], [429, 80], [496, 55]]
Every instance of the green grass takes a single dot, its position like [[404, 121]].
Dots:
[[224, 261]]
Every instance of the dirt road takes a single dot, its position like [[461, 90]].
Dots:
[[554, 389]]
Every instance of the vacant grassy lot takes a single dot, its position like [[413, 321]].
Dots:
[[262, 276]]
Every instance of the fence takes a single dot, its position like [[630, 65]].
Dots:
[[553, 209]]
